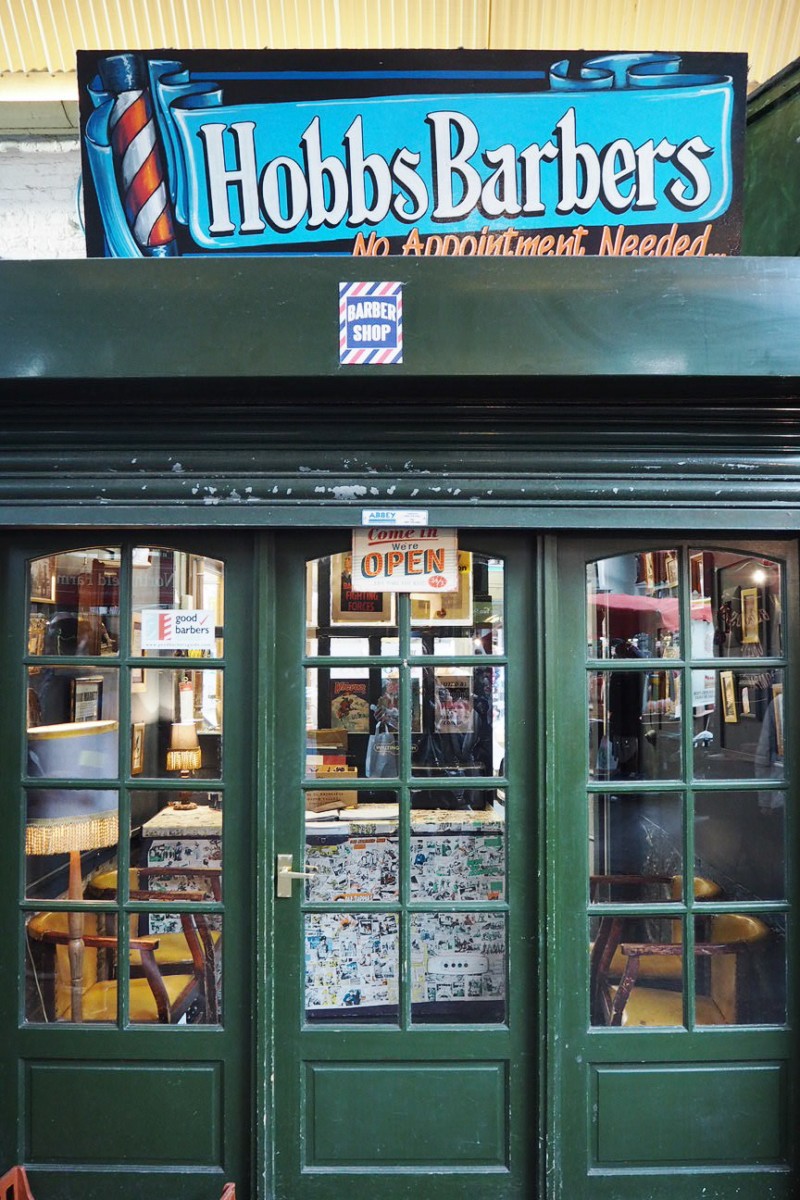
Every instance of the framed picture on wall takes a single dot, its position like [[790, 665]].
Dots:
[[43, 581], [728, 697], [349, 607], [751, 632], [137, 673], [87, 698], [137, 747]]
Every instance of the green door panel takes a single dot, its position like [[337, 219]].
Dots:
[[403, 1108], [108, 1109], [638, 1110]]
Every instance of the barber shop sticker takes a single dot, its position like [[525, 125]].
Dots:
[[370, 323], [178, 629]]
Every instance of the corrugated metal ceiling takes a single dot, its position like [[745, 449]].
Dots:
[[38, 38]]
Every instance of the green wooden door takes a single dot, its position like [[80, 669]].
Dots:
[[128, 789], [406, 1005], [673, 849]]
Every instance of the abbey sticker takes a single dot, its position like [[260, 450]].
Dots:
[[469, 153]]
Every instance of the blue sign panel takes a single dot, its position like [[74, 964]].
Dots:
[[512, 154]]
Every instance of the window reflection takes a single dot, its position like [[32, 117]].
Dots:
[[728, 719], [76, 764], [739, 724], [635, 724], [74, 603], [177, 583]]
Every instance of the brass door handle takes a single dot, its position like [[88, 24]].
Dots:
[[284, 876]]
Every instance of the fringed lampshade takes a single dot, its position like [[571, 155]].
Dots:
[[61, 821], [72, 820], [184, 755]]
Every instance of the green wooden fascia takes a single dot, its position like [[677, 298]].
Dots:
[[532, 393], [277, 319]]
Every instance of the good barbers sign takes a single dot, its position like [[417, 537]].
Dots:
[[470, 153]]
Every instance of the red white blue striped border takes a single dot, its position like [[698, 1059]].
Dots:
[[357, 356]]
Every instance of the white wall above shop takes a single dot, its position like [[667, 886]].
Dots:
[[38, 38]]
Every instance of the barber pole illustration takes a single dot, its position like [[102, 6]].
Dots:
[[137, 156]]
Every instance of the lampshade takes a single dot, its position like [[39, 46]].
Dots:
[[77, 750], [61, 820], [184, 753]]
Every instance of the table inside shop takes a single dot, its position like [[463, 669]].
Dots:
[[457, 958], [182, 838]]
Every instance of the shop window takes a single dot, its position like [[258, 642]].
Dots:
[[128, 736], [687, 917], [404, 795]]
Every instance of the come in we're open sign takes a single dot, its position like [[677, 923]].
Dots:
[[405, 560]]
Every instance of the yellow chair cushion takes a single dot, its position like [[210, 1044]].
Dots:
[[656, 1007], [100, 1001]]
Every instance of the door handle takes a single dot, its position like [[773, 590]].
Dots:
[[284, 876]]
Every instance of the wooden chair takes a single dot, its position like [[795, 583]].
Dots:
[[633, 1001], [173, 953], [154, 997], [665, 967]]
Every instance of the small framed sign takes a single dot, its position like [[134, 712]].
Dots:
[[87, 698]]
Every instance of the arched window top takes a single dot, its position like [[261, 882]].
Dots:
[[639, 605], [74, 603]]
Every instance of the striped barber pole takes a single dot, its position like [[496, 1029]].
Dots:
[[136, 153], [370, 324]]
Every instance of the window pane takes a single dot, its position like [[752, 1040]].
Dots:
[[78, 989], [176, 583], [173, 848], [463, 728], [740, 594], [634, 724], [187, 950], [744, 980], [176, 718], [351, 967], [458, 967], [739, 838], [72, 723], [738, 723], [458, 856], [63, 827], [352, 729], [636, 847], [340, 621], [617, 945], [74, 603], [469, 621], [633, 606], [352, 853]]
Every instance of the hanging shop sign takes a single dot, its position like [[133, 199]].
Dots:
[[405, 560], [511, 154]]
